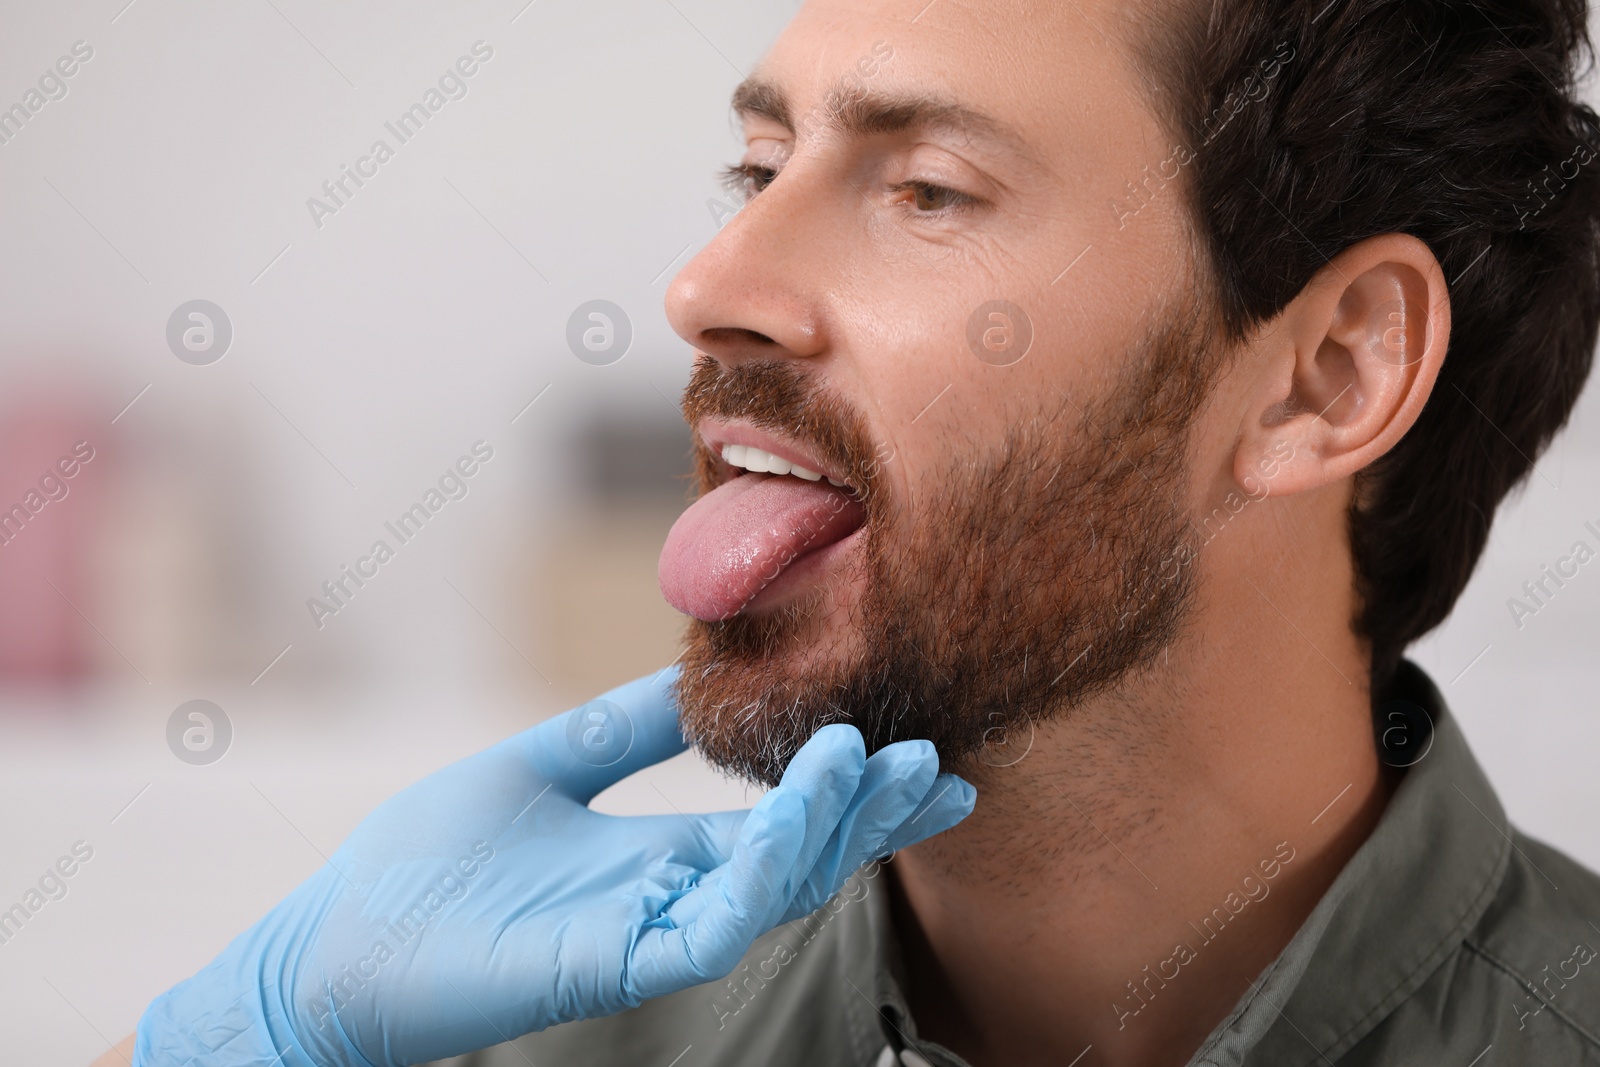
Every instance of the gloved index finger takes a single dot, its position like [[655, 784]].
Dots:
[[597, 744]]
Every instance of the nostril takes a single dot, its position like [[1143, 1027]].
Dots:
[[733, 335]]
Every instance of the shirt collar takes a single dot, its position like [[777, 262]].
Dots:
[[1403, 903]]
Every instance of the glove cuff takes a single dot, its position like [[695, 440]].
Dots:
[[191, 1025]]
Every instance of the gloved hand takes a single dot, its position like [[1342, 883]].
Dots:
[[487, 900]]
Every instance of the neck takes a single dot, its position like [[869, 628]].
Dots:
[[1124, 883]]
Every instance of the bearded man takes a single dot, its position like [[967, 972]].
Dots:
[[1092, 402]]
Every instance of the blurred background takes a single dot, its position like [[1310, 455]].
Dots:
[[246, 388]]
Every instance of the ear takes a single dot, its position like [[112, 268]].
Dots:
[[1346, 367]]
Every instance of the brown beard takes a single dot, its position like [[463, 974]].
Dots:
[[1019, 587]]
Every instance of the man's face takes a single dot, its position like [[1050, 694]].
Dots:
[[942, 294]]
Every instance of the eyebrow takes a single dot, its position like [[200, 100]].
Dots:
[[863, 114]]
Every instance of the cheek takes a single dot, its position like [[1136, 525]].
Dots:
[[898, 370], [942, 376]]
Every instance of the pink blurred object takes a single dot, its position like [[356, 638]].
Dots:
[[51, 473]]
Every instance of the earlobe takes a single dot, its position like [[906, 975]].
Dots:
[[1349, 364]]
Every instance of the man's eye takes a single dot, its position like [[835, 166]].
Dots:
[[745, 180], [934, 199]]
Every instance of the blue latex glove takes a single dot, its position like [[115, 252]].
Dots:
[[487, 900]]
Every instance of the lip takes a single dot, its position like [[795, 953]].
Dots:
[[716, 433]]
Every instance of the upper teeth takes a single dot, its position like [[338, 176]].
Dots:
[[755, 459]]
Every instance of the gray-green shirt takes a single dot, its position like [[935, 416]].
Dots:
[[1449, 940]]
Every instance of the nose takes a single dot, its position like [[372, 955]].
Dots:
[[750, 294]]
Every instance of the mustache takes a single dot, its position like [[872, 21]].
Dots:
[[777, 395]]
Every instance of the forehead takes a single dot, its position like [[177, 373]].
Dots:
[[1058, 77]]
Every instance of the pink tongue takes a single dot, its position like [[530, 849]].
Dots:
[[736, 539]]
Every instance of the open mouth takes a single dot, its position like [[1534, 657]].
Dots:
[[776, 522]]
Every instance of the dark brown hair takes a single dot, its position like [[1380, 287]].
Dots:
[[1455, 121]]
